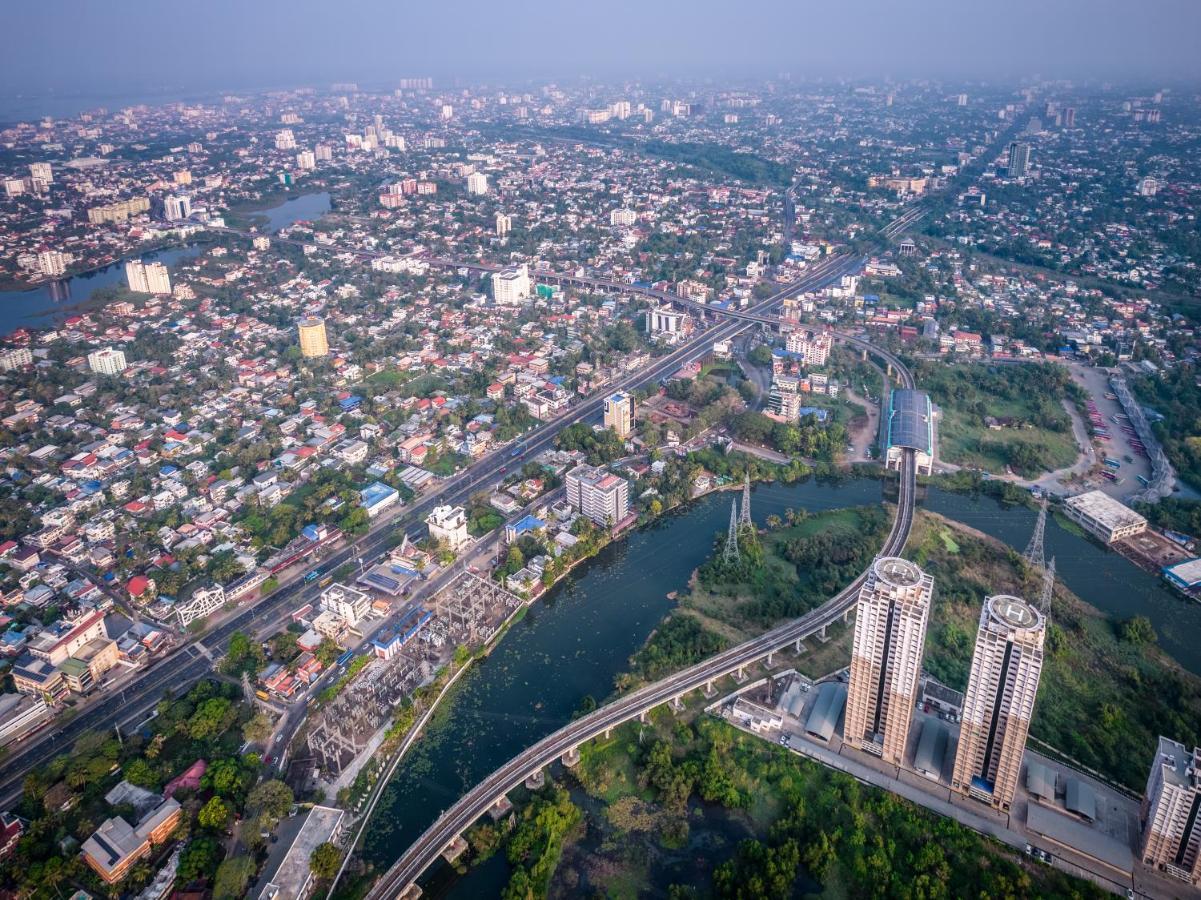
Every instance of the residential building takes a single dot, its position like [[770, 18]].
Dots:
[[116, 845], [619, 414], [813, 347], [147, 278], [664, 321], [306, 160], [1103, 516], [886, 657], [176, 207], [1019, 159], [347, 603], [477, 183], [598, 494], [1171, 812], [623, 217], [53, 263], [448, 524], [504, 224], [15, 358], [108, 361], [999, 703], [313, 340], [20, 713], [511, 286]]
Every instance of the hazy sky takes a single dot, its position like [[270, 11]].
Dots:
[[115, 46]]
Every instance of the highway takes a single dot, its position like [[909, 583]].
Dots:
[[454, 821], [180, 668]]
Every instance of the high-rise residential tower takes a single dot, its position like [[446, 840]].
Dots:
[[1019, 159], [313, 340], [886, 658], [1171, 813], [999, 702], [619, 414]]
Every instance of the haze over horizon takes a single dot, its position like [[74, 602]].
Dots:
[[142, 47]]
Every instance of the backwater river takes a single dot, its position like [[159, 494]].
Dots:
[[578, 638]]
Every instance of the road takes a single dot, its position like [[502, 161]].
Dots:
[[183, 666], [454, 821]]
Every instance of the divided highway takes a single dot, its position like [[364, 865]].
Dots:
[[192, 660]]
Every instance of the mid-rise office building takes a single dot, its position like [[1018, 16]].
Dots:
[[598, 494], [1171, 812], [999, 703], [313, 340], [1019, 159], [886, 657], [108, 361], [512, 285], [619, 414]]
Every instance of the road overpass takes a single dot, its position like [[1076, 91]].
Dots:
[[564, 744]]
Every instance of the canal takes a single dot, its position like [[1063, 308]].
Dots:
[[48, 304], [574, 642]]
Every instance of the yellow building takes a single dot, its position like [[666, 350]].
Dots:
[[313, 341]]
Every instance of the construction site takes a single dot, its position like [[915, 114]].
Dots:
[[466, 612]]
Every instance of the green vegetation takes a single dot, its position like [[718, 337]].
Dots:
[[1107, 691], [1174, 514], [809, 438], [63, 801], [600, 446], [723, 161], [536, 843], [1032, 432], [1176, 396], [794, 566], [660, 781]]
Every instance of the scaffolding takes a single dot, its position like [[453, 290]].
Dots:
[[471, 608], [345, 726]]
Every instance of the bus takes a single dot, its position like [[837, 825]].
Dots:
[[1105, 473], [312, 576], [1112, 463], [344, 658], [326, 581], [1144, 481], [518, 450]]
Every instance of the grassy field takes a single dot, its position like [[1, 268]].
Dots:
[[1103, 699], [1038, 437]]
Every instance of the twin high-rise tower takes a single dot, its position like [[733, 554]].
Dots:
[[886, 659], [999, 702]]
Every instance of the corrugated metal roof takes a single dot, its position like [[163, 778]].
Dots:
[[909, 420], [831, 698], [931, 748], [1040, 780]]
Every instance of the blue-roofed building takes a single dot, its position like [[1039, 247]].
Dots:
[[387, 643], [524, 525], [354, 401], [377, 497], [910, 427], [816, 411]]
